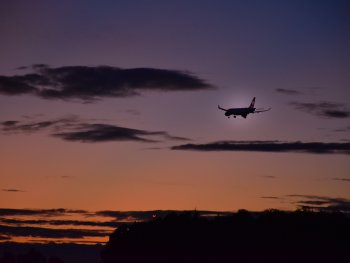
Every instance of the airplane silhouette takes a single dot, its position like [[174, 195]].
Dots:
[[242, 111]]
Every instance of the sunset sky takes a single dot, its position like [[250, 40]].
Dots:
[[112, 105]]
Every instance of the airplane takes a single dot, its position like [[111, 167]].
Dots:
[[242, 111]]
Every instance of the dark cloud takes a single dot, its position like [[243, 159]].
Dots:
[[15, 85], [324, 109], [37, 212], [133, 112], [44, 223], [106, 132], [322, 203], [269, 176], [39, 66], [269, 146], [116, 215], [31, 127], [9, 123], [288, 91], [345, 129], [270, 197], [14, 216], [50, 233], [133, 216], [12, 126], [74, 129], [342, 179], [12, 190], [174, 138], [2, 238], [91, 83], [22, 68], [12, 221]]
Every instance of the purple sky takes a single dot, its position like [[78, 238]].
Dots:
[[77, 135]]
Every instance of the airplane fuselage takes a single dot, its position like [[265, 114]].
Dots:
[[239, 112]]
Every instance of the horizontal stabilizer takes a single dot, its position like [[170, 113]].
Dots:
[[221, 108], [261, 110]]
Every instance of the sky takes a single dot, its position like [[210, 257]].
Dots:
[[112, 105]]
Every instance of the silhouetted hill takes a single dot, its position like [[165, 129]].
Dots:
[[271, 236]]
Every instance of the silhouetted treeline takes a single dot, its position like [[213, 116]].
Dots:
[[270, 236]]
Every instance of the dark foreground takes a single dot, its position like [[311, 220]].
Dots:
[[49, 253], [271, 236]]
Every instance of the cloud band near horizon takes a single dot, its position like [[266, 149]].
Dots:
[[269, 146]]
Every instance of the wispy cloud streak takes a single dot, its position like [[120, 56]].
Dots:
[[105, 132], [11, 221], [288, 91], [323, 109], [12, 190], [50, 233], [269, 146], [36, 212], [342, 179], [322, 203], [74, 129]]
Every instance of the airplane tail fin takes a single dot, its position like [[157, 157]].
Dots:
[[252, 103]]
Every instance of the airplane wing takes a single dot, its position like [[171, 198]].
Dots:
[[261, 110], [221, 108]]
